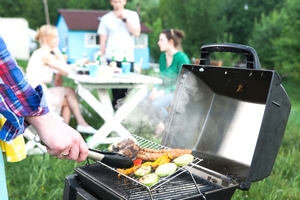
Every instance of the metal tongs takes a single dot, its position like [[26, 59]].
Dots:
[[110, 158]]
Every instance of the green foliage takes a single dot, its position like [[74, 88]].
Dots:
[[153, 38], [262, 38], [11, 8], [89, 5], [33, 11], [200, 20], [44, 177], [288, 44], [275, 38], [240, 16]]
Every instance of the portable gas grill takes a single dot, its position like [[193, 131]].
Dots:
[[232, 118]]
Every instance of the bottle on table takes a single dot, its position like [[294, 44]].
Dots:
[[64, 53], [125, 65], [98, 59], [124, 58], [103, 61], [113, 62]]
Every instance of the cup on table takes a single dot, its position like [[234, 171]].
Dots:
[[126, 67], [93, 69]]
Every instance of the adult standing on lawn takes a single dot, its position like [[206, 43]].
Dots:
[[117, 30], [21, 105]]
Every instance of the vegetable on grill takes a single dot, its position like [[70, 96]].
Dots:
[[183, 160], [137, 162], [166, 169], [128, 171], [149, 179], [142, 171]]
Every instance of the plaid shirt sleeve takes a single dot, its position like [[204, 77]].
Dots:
[[17, 98]]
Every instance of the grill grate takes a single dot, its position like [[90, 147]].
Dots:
[[180, 186], [176, 186]]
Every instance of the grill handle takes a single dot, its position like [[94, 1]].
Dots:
[[247, 51]]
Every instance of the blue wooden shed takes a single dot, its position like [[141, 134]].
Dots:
[[77, 30]]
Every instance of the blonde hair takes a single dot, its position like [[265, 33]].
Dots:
[[45, 31]]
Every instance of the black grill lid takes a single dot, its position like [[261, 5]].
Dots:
[[233, 118]]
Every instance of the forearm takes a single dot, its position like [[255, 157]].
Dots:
[[103, 39], [134, 30], [60, 66], [64, 72], [58, 55], [39, 122]]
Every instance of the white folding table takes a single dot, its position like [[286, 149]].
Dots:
[[103, 106]]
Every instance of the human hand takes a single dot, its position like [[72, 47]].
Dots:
[[119, 13], [60, 139]]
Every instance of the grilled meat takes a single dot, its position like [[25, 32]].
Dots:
[[153, 154], [130, 149], [126, 147]]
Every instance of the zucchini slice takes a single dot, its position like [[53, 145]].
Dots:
[[166, 169], [142, 171], [149, 179], [183, 159]]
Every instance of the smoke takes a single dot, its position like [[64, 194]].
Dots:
[[142, 119], [145, 117]]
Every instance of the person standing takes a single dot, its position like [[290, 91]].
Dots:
[[117, 30], [22, 105]]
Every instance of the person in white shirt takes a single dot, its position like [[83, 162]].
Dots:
[[117, 30], [40, 71]]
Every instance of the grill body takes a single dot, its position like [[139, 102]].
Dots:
[[100, 181], [233, 119]]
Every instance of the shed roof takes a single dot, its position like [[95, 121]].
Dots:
[[87, 19]]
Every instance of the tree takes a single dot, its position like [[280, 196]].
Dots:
[[200, 20], [89, 4], [287, 61], [11, 8], [263, 36], [32, 11], [241, 14]]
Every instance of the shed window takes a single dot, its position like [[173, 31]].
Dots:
[[141, 41], [91, 40]]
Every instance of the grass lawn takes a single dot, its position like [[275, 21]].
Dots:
[[42, 176]]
